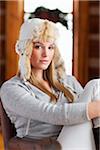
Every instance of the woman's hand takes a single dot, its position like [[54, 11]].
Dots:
[[94, 109]]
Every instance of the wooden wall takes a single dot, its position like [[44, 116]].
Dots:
[[94, 39], [86, 58], [14, 19], [11, 18], [2, 41], [80, 43]]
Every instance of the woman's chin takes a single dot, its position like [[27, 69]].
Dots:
[[44, 67]]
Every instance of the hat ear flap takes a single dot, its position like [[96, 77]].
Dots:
[[25, 67], [59, 65], [24, 49]]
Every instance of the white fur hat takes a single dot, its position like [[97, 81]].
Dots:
[[32, 30]]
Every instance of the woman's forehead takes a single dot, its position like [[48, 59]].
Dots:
[[44, 42]]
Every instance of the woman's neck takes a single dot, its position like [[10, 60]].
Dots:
[[38, 74]]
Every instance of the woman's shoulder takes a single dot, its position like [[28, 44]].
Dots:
[[13, 87], [72, 82], [14, 81], [69, 79]]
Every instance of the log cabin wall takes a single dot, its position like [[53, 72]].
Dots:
[[94, 35]]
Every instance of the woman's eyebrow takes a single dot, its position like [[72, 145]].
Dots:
[[37, 42], [51, 44]]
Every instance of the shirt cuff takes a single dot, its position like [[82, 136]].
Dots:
[[76, 113]]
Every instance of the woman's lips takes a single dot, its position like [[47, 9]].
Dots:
[[44, 61]]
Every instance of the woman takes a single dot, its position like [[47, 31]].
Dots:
[[41, 98]]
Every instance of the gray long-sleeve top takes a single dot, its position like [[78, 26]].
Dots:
[[32, 112]]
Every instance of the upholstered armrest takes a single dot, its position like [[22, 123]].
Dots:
[[30, 144]]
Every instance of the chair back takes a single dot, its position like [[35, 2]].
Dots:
[[8, 129]]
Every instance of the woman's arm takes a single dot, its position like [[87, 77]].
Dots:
[[20, 102]]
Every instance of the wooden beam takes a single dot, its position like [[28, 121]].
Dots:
[[80, 27], [14, 18]]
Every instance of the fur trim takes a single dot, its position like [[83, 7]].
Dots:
[[33, 30]]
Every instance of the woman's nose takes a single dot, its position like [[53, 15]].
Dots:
[[45, 52]]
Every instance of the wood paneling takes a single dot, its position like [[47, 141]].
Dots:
[[2, 21], [94, 73], [14, 13], [94, 23], [80, 55], [94, 3], [93, 48], [2, 41], [86, 59], [1, 142], [94, 38]]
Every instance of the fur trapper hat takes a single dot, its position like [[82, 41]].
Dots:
[[33, 30]]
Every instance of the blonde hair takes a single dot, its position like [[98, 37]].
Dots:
[[56, 71], [54, 74]]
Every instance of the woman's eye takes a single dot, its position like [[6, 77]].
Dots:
[[51, 47], [37, 47]]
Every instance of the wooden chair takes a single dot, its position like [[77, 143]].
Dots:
[[11, 142]]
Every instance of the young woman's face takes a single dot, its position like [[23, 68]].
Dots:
[[42, 55]]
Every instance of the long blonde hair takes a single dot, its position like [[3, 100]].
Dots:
[[54, 74], [56, 71]]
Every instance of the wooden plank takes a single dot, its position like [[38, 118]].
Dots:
[[14, 19], [94, 3], [94, 73], [93, 48], [1, 142], [94, 24], [2, 42], [81, 21]]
